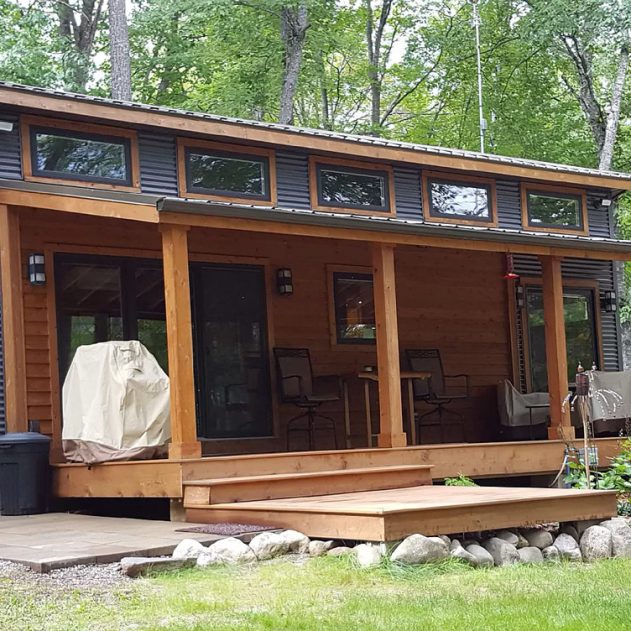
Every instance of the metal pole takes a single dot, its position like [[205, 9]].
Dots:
[[476, 24]]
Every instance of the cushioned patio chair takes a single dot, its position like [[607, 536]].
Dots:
[[522, 416], [437, 392], [298, 386]]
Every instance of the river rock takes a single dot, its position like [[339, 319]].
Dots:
[[139, 566], [567, 546], [482, 557], [596, 543], [620, 536], [570, 529], [340, 551], [296, 541], [267, 545], [456, 551], [538, 538], [367, 555], [417, 549], [503, 553], [509, 536], [229, 551], [319, 548], [530, 554], [188, 549]]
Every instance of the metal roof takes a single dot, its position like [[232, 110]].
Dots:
[[303, 131], [389, 224]]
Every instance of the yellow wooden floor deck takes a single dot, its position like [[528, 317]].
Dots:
[[387, 515]]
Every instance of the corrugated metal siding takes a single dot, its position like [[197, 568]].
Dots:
[[292, 180], [601, 271], [598, 216], [407, 189], [10, 154], [508, 204], [158, 164], [3, 417]]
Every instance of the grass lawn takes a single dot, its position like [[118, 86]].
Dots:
[[330, 594]]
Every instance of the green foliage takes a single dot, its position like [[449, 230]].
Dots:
[[461, 480]]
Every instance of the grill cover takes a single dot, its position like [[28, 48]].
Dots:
[[115, 404]]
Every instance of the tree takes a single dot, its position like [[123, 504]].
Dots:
[[120, 79], [294, 21]]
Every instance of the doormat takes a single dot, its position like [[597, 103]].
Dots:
[[226, 529]]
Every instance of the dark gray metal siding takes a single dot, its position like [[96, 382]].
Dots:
[[292, 180], [407, 188], [601, 271], [158, 164], [3, 417], [508, 204], [10, 154]]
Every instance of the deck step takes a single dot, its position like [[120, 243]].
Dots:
[[266, 487]]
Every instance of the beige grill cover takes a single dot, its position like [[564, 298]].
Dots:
[[115, 404]]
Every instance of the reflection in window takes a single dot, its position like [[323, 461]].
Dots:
[[227, 174], [555, 211], [353, 188], [469, 201], [354, 308], [78, 156], [580, 331]]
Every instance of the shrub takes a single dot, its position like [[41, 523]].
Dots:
[[461, 480]]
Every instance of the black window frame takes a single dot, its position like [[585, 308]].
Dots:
[[125, 141], [341, 275], [384, 174], [459, 218], [264, 160], [578, 197]]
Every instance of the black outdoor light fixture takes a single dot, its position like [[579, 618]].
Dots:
[[284, 281], [36, 269], [609, 302]]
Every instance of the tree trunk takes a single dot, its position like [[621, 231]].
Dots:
[[613, 117], [120, 78], [294, 22]]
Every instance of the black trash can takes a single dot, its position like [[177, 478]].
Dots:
[[24, 473]]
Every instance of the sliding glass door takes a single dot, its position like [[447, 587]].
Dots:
[[232, 356]]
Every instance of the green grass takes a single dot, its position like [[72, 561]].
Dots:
[[330, 594]]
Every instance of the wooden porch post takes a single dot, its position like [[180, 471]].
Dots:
[[184, 443], [13, 320], [556, 350], [391, 432]]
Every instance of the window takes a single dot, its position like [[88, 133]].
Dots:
[[79, 154], [102, 298], [555, 211], [354, 308], [225, 172], [580, 331], [347, 185], [465, 200]]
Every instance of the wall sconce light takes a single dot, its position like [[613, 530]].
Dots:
[[284, 281], [510, 273], [609, 302], [519, 296], [36, 269]]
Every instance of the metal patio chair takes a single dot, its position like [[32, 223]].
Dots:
[[298, 386], [437, 392]]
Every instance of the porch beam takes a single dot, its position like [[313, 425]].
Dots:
[[13, 320], [556, 348], [391, 432], [177, 293]]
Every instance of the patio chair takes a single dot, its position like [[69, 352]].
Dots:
[[298, 386], [522, 416], [437, 392]]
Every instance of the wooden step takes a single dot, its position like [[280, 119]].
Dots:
[[390, 515], [265, 487]]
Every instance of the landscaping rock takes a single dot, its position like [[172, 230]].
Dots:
[[567, 546], [596, 543], [530, 554], [319, 548], [509, 536], [228, 551], [340, 551], [139, 566], [503, 553], [367, 555], [569, 529], [417, 549], [482, 557], [268, 545], [620, 536], [551, 554], [538, 538], [446, 539], [456, 551], [296, 541], [582, 526], [188, 549]]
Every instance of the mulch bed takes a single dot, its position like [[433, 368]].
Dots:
[[226, 529]]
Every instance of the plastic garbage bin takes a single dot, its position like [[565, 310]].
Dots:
[[24, 473]]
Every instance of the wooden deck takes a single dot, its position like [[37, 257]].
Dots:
[[388, 515]]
